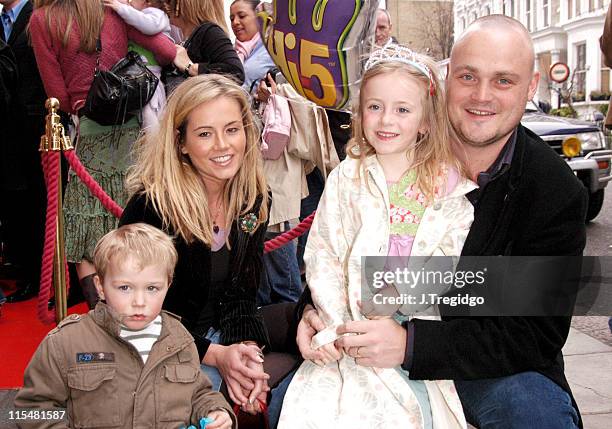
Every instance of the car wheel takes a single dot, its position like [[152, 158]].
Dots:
[[595, 204]]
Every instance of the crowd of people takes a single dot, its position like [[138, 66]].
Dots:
[[176, 285]]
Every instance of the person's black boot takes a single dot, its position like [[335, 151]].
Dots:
[[89, 290], [25, 291]]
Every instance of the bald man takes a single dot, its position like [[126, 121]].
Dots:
[[508, 370], [383, 28]]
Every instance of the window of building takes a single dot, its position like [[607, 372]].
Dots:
[[487, 11], [528, 14], [555, 12], [580, 73], [545, 8], [577, 8], [605, 77], [591, 5], [570, 9]]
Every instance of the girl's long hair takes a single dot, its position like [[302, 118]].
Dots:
[[432, 151], [62, 14], [170, 181]]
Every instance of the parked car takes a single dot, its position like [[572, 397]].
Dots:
[[582, 144]]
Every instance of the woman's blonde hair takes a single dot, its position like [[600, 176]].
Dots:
[[145, 243], [195, 12], [432, 150], [170, 181], [61, 14]]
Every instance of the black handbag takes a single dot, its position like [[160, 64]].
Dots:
[[119, 93]]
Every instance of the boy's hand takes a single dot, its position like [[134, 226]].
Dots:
[[221, 420]]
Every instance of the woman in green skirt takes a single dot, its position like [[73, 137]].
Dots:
[[64, 35]]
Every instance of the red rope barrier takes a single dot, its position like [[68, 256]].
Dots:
[[286, 237], [93, 186], [50, 165]]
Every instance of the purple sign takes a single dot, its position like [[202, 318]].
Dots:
[[307, 39]]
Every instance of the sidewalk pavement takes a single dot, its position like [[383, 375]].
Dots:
[[588, 367]]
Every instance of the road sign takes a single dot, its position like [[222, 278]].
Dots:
[[559, 72]]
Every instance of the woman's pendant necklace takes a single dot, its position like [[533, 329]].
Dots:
[[215, 226]]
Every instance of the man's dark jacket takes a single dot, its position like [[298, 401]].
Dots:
[[536, 207], [19, 148]]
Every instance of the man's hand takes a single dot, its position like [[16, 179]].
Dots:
[[309, 325], [380, 343]]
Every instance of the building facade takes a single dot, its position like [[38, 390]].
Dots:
[[565, 31], [423, 25]]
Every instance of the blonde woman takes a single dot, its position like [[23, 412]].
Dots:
[[205, 37], [200, 179], [64, 34]]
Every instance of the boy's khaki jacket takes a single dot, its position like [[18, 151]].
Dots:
[[85, 366]]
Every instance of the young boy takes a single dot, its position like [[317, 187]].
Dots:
[[127, 363]]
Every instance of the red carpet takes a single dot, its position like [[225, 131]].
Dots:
[[20, 334]]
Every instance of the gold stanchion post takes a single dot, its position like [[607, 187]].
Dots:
[[56, 140]]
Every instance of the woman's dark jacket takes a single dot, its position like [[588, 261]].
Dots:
[[188, 294], [211, 50]]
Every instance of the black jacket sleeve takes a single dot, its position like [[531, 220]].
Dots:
[[239, 319], [8, 77], [213, 51]]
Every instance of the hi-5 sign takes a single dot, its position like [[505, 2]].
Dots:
[[305, 39]]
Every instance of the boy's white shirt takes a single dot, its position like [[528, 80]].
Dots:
[[143, 339], [149, 21], [353, 221]]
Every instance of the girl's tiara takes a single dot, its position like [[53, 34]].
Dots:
[[392, 52]]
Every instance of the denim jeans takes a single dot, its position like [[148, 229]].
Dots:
[[521, 401], [276, 399], [214, 336], [316, 183], [280, 277]]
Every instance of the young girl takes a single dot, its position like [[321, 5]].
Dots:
[[147, 17], [398, 193]]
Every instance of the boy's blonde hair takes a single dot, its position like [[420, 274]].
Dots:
[[170, 181], [432, 150], [140, 241]]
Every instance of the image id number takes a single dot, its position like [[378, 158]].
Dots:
[[37, 414]]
